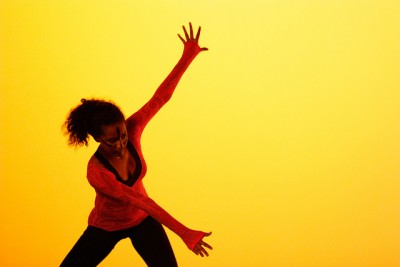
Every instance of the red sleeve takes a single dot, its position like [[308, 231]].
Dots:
[[163, 93], [105, 183]]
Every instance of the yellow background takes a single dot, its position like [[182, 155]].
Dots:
[[283, 139]]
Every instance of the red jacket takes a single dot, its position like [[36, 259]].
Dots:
[[119, 205]]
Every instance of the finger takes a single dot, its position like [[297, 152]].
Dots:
[[180, 37], [198, 34], [205, 252], [206, 245], [191, 31], [201, 253], [207, 234], [186, 34]]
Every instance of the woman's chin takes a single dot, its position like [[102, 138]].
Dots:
[[119, 153]]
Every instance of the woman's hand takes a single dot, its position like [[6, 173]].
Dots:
[[191, 43], [199, 248]]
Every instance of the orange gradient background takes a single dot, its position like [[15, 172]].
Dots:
[[282, 139]]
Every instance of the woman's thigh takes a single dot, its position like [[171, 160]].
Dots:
[[91, 248], [151, 242]]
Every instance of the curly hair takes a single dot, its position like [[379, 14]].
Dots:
[[88, 117]]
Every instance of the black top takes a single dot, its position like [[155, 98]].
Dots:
[[132, 178]]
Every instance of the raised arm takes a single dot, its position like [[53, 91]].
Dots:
[[167, 87]]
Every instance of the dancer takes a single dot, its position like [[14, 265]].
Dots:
[[115, 171]]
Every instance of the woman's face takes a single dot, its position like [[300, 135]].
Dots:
[[114, 139]]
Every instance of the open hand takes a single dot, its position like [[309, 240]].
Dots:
[[191, 43], [200, 247]]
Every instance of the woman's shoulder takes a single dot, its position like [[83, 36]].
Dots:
[[133, 128], [94, 164], [97, 172]]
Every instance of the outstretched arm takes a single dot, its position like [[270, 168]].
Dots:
[[105, 183], [167, 87]]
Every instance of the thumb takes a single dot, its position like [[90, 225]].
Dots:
[[208, 234]]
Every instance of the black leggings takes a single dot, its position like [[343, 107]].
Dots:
[[148, 238]]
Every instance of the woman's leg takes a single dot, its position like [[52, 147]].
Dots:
[[151, 242], [92, 247]]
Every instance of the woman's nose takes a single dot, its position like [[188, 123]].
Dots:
[[119, 144]]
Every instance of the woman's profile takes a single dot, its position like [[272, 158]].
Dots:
[[122, 208]]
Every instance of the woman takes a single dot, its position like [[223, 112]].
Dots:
[[122, 206]]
